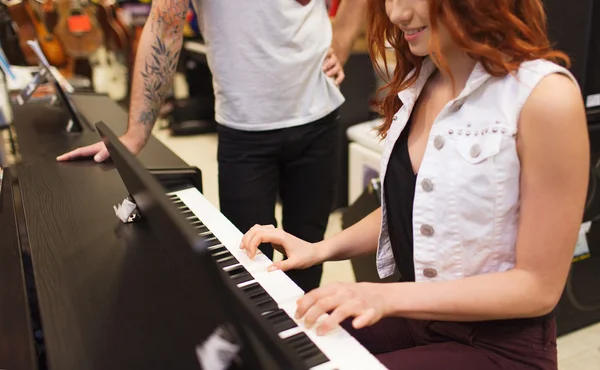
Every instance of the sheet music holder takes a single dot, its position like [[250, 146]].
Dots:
[[62, 87], [261, 347]]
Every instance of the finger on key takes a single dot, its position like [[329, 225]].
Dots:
[[263, 234], [341, 313], [248, 243]]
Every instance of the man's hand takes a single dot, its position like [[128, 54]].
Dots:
[[333, 68], [99, 151]]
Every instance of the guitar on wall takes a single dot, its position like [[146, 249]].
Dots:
[[24, 28], [78, 28], [39, 11]]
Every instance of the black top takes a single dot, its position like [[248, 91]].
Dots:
[[399, 186]]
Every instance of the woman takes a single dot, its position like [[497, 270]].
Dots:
[[485, 173]]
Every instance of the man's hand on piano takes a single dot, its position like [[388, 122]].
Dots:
[[366, 302], [99, 151], [300, 254]]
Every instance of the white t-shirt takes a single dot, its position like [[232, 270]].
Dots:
[[266, 57]]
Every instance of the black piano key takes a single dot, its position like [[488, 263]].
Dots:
[[259, 296], [220, 253], [215, 247], [227, 261], [262, 300], [197, 224], [194, 220], [297, 341], [186, 212], [239, 275], [280, 320], [190, 217], [267, 304], [317, 359], [302, 344], [212, 241], [306, 349], [204, 232], [252, 289]]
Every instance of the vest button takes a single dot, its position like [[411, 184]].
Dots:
[[427, 185], [429, 272], [475, 151], [426, 230], [438, 142]]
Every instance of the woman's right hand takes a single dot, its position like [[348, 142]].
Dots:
[[300, 254]]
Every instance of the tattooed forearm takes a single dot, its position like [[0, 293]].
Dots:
[[157, 77], [161, 56]]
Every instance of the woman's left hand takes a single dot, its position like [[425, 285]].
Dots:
[[366, 302]]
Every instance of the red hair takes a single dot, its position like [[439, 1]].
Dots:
[[500, 34]]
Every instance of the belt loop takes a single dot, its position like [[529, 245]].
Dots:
[[546, 330], [472, 333]]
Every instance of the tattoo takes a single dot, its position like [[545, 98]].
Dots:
[[159, 66], [166, 20], [157, 74]]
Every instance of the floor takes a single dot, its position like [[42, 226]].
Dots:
[[577, 351]]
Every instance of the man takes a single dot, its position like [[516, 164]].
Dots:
[[275, 73]]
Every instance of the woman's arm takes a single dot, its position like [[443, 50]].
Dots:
[[553, 148], [358, 240]]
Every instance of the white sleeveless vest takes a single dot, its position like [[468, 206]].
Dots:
[[466, 205]]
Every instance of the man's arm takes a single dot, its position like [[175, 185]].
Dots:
[[347, 26], [153, 72], [155, 64]]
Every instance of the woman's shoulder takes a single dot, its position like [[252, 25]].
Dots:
[[541, 85], [555, 95], [539, 68], [553, 87]]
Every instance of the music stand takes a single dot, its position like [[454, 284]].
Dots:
[[261, 346], [76, 120]]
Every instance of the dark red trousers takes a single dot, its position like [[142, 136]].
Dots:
[[433, 345]]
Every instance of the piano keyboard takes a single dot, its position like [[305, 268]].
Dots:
[[273, 292]]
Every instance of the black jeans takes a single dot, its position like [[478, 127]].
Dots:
[[296, 163]]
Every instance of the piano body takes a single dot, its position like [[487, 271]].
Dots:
[[112, 295], [16, 346]]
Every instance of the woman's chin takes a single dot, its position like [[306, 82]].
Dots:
[[419, 50]]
